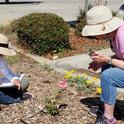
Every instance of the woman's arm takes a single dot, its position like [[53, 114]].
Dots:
[[108, 60], [4, 69], [118, 63]]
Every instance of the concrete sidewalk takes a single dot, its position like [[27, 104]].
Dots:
[[75, 62], [68, 9]]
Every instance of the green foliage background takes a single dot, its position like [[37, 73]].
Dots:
[[42, 32]]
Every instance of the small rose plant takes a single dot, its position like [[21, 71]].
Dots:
[[84, 81], [63, 84]]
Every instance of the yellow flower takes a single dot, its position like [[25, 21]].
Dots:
[[72, 71], [69, 74], [95, 79], [98, 90], [89, 81], [85, 75], [78, 76]]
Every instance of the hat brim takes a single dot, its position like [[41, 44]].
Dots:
[[7, 51], [103, 28]]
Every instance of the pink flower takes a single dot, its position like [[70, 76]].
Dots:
[[63, 84]]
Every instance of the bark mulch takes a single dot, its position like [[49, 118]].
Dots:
[[44, 84]]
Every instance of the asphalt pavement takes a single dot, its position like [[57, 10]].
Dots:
[[68, 9]]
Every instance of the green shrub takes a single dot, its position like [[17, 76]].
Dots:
[[81, 20], [42, 32]]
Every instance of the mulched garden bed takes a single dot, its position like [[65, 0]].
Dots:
[[44, 84]]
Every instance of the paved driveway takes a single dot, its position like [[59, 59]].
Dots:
[[68, 9]]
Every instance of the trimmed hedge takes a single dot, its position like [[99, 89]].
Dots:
[[42, 32]]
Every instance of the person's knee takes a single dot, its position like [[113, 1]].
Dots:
[[105, 75], [109, 76], [24, 84]]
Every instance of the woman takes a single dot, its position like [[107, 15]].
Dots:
[[10, 79], [101, 24]]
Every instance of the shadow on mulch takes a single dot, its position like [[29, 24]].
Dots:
[[95, 102]]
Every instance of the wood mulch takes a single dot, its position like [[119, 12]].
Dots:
[[44, 84]]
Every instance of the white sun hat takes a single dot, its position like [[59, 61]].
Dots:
[[5, 46], [100, 21]]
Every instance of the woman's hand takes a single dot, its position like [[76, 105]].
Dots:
[[94, 66], [101, 58], [98, 61], [17, 82]]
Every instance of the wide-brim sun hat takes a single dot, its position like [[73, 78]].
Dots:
[[100, 21], [5, 46]]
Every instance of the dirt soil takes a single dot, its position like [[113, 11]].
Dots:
[[44, 84]]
